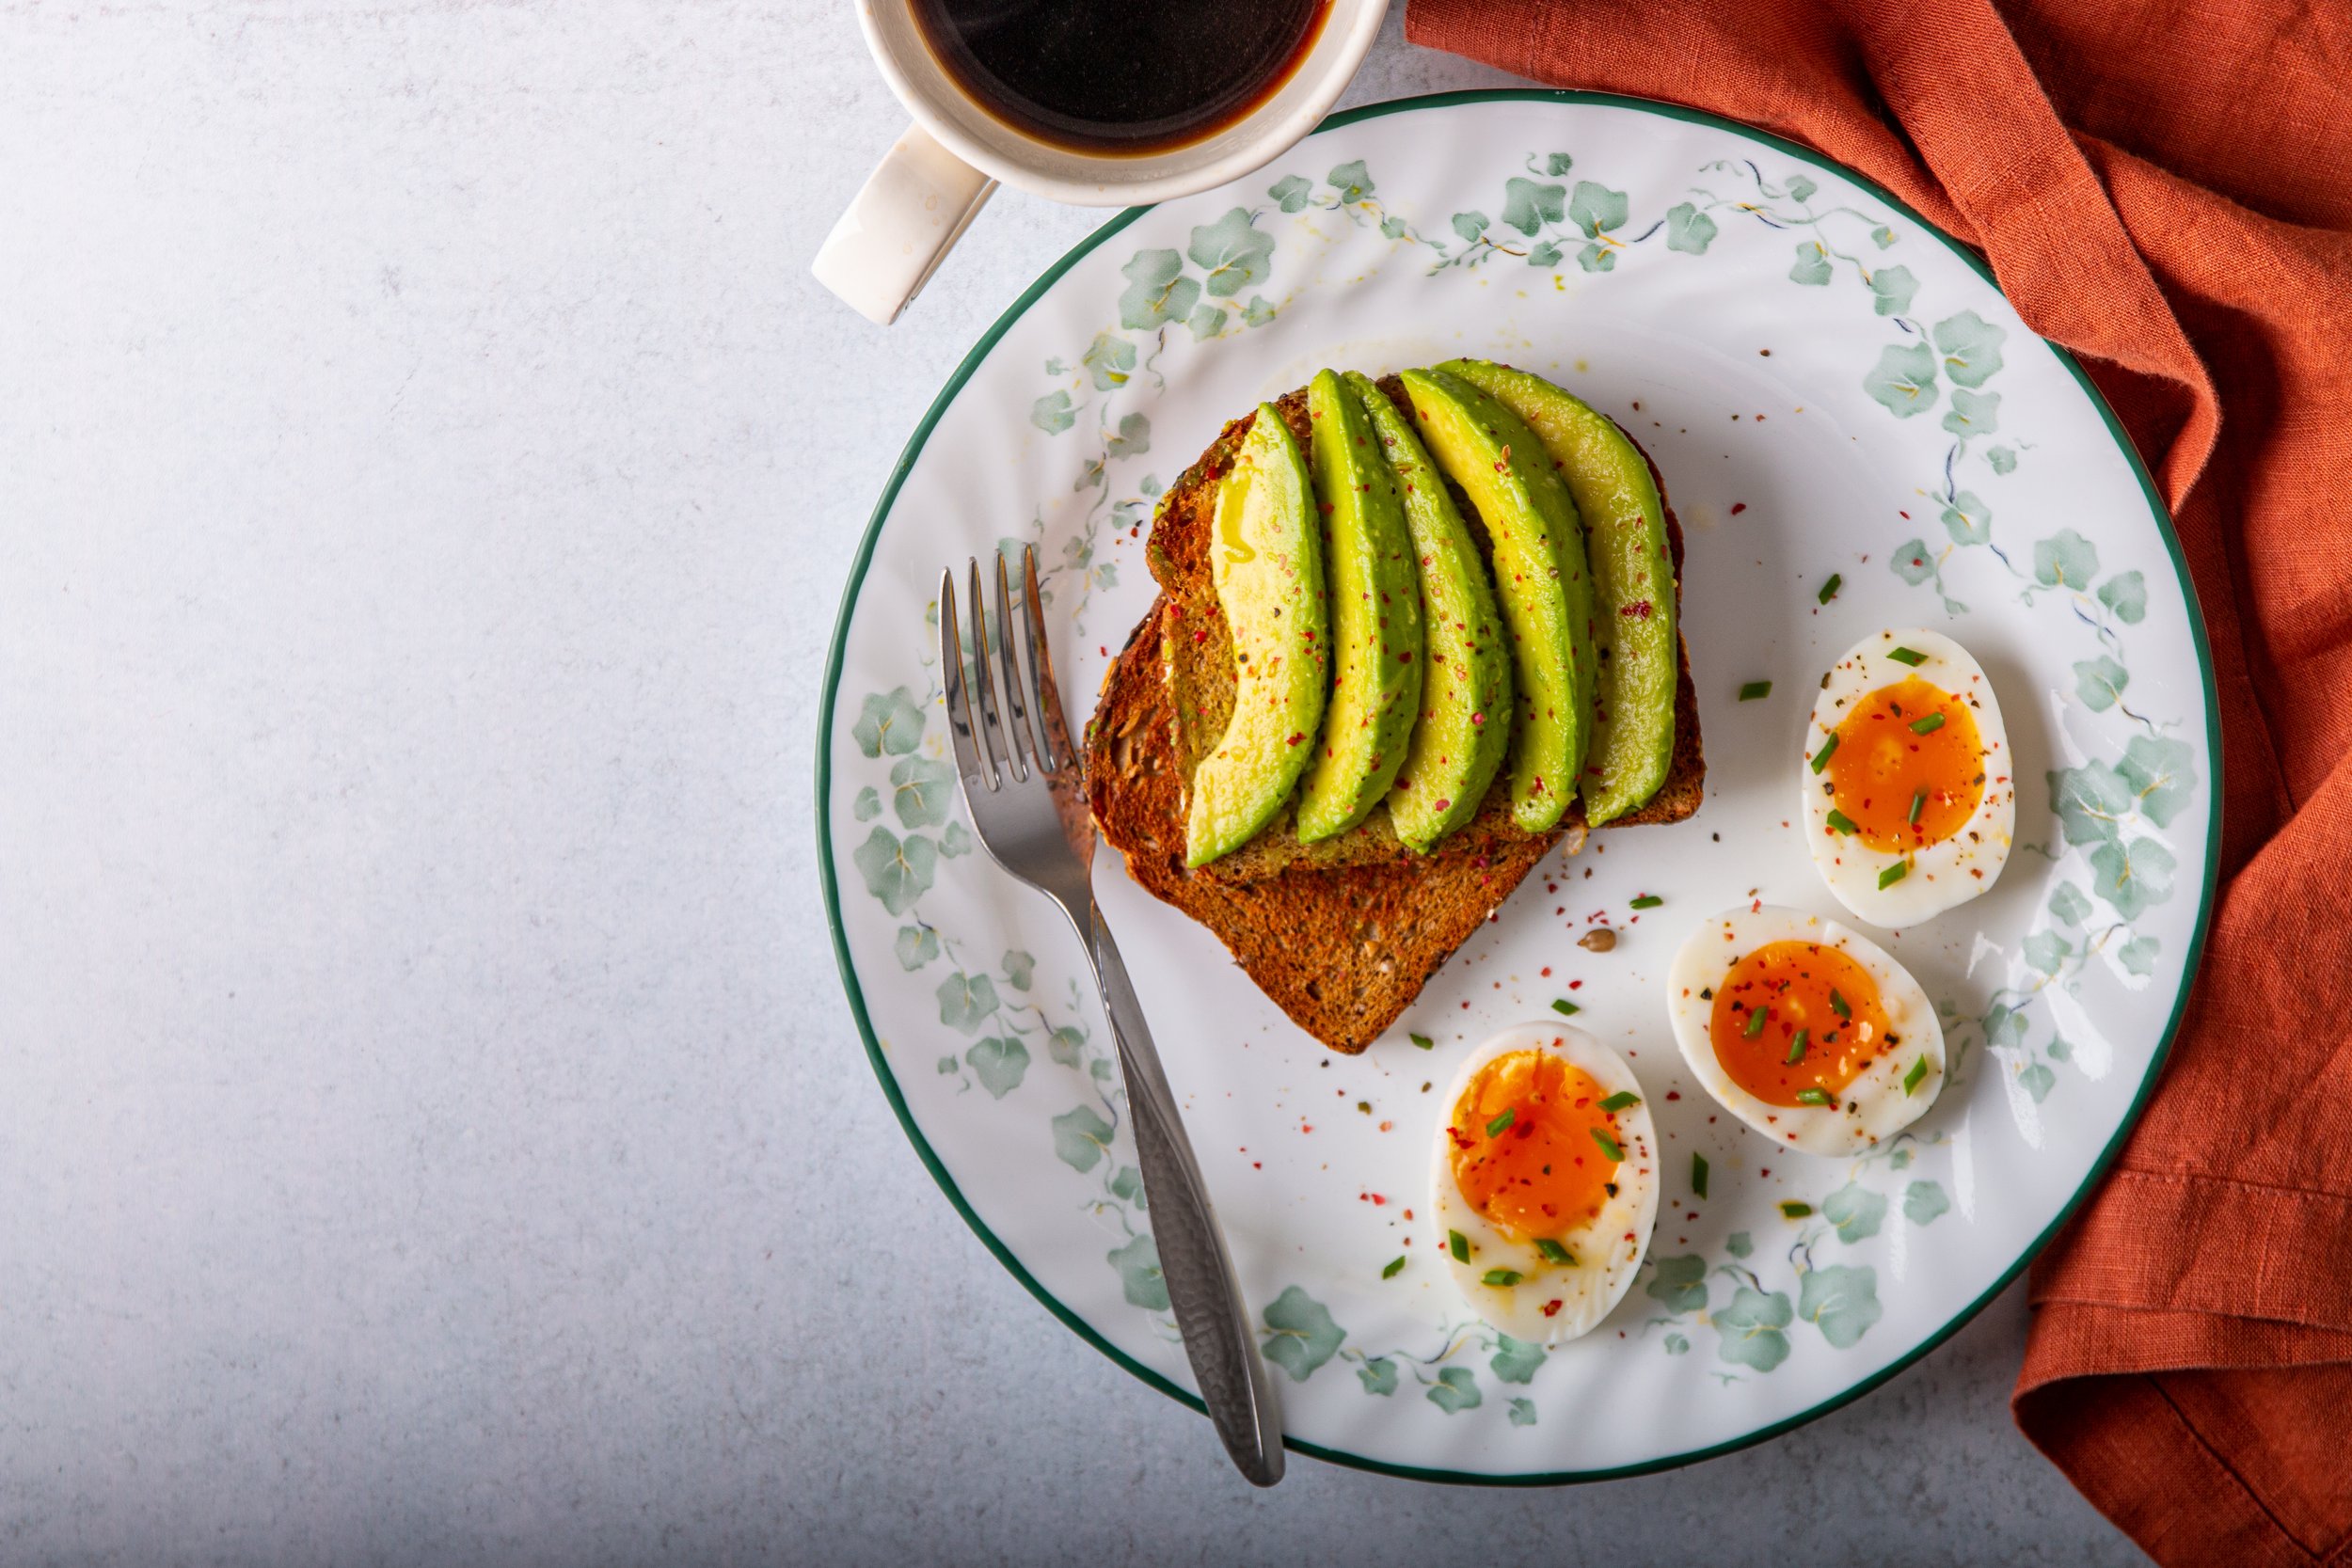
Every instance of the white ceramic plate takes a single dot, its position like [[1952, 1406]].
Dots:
[[1831, 388]]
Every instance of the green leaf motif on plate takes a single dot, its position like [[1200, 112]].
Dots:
[[1681, 1283], [1751, 1329], [1257, 312], [2100, 683], [1392, 229], [917, 946], [2004, 1025], [1081, 1138], [1968, 520], [1528, 206], [1558, 163], [2065, 560], [2047, 950], [1290, 193], [1676, 1345], [1688, 229], [2058, 1050], [1110, 359], [1903, 381], [1516, 1360], [1303, 1335], [1971, 347], [2161, 775], [1051, 413], [1019, 968], [1912, 562], [1157, 291], [1894, 287], [1522, 1412], [2068, 906], [965, 1001], [999, 1065], [1139, 1266], [2003, 460], [2133, 875], [2091, 802], [2138, 956], [1062, 1045], [1738, 1245], [1801, 188], [1379, 1376], [1855, 1210], [1353, 181], [888, 721], [1924, 1202], [1594, 258], [949, 1066], [2036, 1079], [921, 791], [1899, 1160], [1812, 269], [1842, 1301], [1132, 439], [1455, 1390], [1596, 209], [1882, 236], [2126, 595], [1470, 226], [1233, 253], [868, 804], [955, 840], [1547, 255], [1127, 1184], [897, 871], [1973, 412]]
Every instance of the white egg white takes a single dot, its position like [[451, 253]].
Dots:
[[1607, 1250], [1941, 874], [1873, 1107]]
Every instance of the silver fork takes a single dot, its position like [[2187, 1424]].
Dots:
[[1021, 779]]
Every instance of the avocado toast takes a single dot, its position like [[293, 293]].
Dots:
[[1341, 933]]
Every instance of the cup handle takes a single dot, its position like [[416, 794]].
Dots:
[[910, 211]]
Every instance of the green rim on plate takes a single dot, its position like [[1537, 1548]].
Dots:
[[890, 1088]]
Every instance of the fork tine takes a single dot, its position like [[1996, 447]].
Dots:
[[1024, 751], [1045, 697], [990, 722], [968, 760]]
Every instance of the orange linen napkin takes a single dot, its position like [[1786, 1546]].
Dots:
[[2166, 187]]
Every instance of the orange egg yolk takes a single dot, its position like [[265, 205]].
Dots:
[[1909, 769], [1527, 1136], [1802, 988]]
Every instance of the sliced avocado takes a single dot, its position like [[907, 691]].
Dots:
[[1375, 599], [1268, 564], [1539, 571], [1633, 594], [1463, 729]]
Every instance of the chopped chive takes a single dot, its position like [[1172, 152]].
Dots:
[[1394, 1268], [1619, 1101], [1608, 1145], [1698, 1175], [1911, 1079], [1754, 689], [1565, 1008], [1755, 1021], [1510, 1115], [1840, 823], [1918, 803], [1796, 1211], [1423, 1042], [1829, 589], [1458, 1244], [1838, 1004], [1928, 725], [1908, 656], [1813, 1097], [1647, 901], [1820, 758], [1796, 1046], [1500, 1276], [1894, 874], [1553, 1250]]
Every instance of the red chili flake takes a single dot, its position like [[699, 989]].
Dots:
[[1547, 971], [1639, 609], [1294, 740], [1738, 507], [1551, 1309], [1576, 985], [1674, 1094]]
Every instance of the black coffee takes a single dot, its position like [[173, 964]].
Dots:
[[1121, 76]]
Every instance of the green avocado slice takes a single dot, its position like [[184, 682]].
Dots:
[[1266, 562], [1540, 576], [1375, 599], [1463, 729], [1633, 585]]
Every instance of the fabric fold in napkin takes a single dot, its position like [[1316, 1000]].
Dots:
[[2165, 187]]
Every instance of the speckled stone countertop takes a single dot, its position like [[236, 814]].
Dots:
[[430, 1125]]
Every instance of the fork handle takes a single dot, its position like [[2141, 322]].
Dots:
[[1202, 1289]]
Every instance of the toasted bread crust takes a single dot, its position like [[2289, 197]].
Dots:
[[1342, 935]]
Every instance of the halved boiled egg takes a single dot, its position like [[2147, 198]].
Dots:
[[1810, 1034], [1910, 801], [1546, 1181]]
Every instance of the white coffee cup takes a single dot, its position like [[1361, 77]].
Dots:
[[936, 177]]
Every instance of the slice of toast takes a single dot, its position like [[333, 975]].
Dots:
[[1343, 934]]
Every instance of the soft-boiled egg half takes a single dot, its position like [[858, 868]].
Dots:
[[1546, 1182], [1808, 1033], [1910, 800]]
